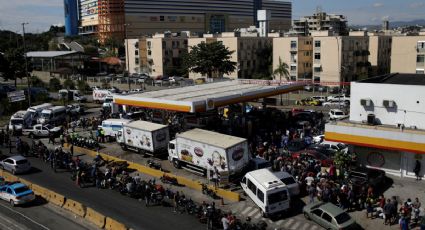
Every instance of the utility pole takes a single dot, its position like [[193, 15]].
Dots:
[[26, 63], [127, 62]]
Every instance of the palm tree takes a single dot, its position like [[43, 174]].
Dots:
[[282, 70]]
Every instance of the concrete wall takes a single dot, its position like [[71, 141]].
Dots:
[[404, 53], [409, 101]]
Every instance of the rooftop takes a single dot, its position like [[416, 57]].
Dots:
[[216, 139], [397, 78], [203, 97], [49, 54]]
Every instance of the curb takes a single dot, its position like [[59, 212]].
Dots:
[[73, 206]]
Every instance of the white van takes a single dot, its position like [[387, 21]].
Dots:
[[112, 126], [267, 191], [36, 110], [55, 115], [20, 120], [290, 182]]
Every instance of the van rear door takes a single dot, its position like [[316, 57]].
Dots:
[[278, 201]]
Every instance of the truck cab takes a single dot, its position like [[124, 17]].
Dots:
[[172, 152]]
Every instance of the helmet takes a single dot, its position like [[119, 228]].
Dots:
[[248, 219]]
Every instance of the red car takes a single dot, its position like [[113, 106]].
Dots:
[[308, 154]]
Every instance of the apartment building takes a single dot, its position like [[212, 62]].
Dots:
[[339, 59], [159, 55], [246, 47], [321, 21], [380, 54], [297, 53], [408, 54]]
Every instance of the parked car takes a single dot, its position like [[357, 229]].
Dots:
[[16, 193], [338, 98], [290, 182], [75, 109], [309, 154], [15, 164], [318, 139], [175, 79], [366, 176], [308, 101], [335, 104], [336, 146], [40, 130], [337, 114], [323, 150], [329, 216], [322, 99]]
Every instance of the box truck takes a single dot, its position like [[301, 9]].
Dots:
[[202, 151], [144, 137], [99, 95], [113, 126]]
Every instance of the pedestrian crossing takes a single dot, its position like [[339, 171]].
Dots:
[[292, 223]]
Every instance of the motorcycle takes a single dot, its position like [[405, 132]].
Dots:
[[208, 191], [169, 180], [154, 165]]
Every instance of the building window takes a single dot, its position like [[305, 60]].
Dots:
[[149, 44], [136, 61], [136, 45], [419, 71], [136, 52], [248, 63], [293, 44], [293, 67], [161, 18], [421, 46], [420, 58], [317, 44], [317, 56], [307, 53], [149, 52], [317, 69]]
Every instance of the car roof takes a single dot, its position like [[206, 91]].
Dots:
[[17, 158], [17, 185], [331, 209]]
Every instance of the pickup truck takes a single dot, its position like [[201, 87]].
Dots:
[[40, 130]]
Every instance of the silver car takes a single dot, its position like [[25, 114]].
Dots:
[[16, 164]]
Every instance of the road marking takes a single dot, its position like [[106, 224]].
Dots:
[[288, 223], [5, 226], [296, 225], [246, 210], [10, 223], [252, 212], [26, 217]]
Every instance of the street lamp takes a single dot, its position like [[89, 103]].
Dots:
[[26, 63], [126, 56]]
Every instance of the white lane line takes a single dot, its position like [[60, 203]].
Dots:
[[296, 225], [10, 222], [288, 223], [246, 210], [26, 217], [6, 227], [252, 212]]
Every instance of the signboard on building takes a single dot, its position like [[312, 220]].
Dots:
[[16, 96]]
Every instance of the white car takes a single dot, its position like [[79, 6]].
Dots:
[[175, 79], [336, 146], [320, 98], [318, 139], [40, 130], [335, 104], [338, 98], [337, 114], [290, 182]]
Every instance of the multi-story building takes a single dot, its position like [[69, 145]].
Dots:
[[386, 126], [159, 55], [297, 53], [71, 17], [339, 59], [336, 24], [408, 54], [246, 47], [380, 54], [133, 18]]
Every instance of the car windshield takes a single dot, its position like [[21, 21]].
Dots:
[[277, 197], [16, 122], [45, 115], [339, 113], [109, 100], [342, 218], [21, 190], [21, 162], [288, 180], [49, 126]]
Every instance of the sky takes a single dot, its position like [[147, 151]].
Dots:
[[42, 13]]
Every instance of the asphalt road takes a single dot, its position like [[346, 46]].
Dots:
[[37, 216], [127, 210]]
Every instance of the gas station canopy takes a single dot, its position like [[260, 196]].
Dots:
[[205, 97]]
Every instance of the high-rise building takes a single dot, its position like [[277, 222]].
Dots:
[[71, 17], [321, 21], [134, 18]]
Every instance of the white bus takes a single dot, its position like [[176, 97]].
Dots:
[[267, 191], [36, 110], [20, 120], [55, 115]]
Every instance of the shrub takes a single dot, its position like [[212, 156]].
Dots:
[[54, 84], [69, 84]]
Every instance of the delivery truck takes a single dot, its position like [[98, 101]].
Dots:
[[201, 151], [99, 95], [144, 137]]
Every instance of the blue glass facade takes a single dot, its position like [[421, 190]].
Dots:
[[71, 17]]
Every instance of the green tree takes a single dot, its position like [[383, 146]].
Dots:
[[36, 82], [69, 84], [16, 64], [282, 70], [210, 59], [82, 86], [54, 84]]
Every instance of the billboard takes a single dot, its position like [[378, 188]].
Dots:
[[88, 8]]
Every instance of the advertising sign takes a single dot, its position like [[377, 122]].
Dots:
[[16, 96]]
